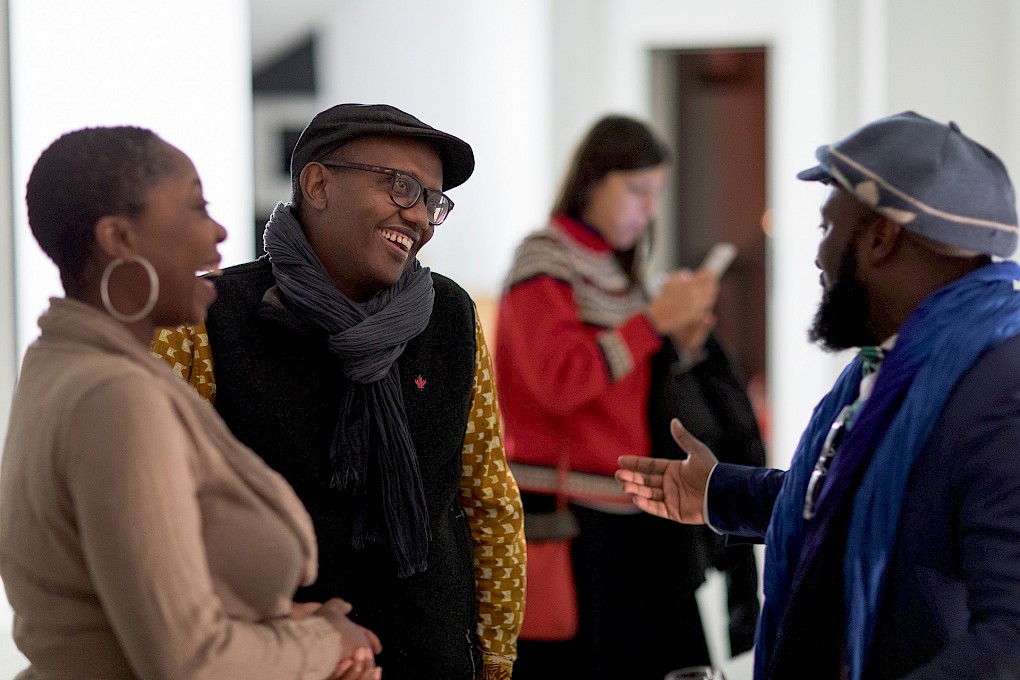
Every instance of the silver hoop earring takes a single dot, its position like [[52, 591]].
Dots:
[[104, 290]]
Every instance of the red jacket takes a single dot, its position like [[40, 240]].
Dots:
[[564, 381]]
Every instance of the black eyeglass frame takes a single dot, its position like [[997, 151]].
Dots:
[[817, 480], [412, 180]]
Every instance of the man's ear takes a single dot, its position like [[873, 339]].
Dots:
[[313, 185], [115, 237], [882, 237]]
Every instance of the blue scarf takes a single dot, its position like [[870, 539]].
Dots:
[[937, 344]]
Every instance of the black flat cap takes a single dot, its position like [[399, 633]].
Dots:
[[343, 123]]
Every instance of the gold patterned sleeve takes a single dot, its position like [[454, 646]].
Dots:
[[186, 349], [492, 502]]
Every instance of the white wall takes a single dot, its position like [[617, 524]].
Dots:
[[479, 70], [951, 64], [8, 345], [182, 69], [11, 659]]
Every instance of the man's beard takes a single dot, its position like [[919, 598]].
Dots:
[[841, 321]]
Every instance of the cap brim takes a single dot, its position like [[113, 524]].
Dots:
[[815, 174], [457, 156]]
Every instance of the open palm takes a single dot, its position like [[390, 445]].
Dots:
[[673, 489]]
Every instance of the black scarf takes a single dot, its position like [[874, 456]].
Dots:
[[368, 338]]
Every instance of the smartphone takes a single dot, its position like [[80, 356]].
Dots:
[[719, 258]]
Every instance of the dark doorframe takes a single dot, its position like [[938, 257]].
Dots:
[[711, 104]]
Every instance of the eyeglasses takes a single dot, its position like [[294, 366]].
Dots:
[[406, 190], [832, 440]]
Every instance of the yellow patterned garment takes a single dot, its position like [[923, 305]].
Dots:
[[488, 492]]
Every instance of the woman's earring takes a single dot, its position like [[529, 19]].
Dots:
[[104, 289]]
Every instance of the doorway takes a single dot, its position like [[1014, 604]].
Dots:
[[711, 105]]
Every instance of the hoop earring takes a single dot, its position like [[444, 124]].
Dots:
[[104, 290]]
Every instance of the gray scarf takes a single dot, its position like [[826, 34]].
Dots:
[[368, 338]]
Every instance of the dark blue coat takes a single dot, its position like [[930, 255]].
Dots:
[[951, 602]]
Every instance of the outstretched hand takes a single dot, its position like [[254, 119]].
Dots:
[[673, 489]]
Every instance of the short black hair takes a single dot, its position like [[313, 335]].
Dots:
[[84, 176]]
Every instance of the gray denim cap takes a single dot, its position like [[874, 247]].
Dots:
[[343, 123], [928, 177]]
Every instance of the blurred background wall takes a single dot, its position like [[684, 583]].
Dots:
[[744, 89]]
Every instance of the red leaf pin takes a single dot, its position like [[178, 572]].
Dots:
[[420, 382]]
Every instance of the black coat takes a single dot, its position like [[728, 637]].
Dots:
[[711, 401], [279, 389]]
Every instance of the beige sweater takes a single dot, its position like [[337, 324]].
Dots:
[[138, 538]]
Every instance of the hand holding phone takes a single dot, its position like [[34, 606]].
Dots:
[[719, 258]]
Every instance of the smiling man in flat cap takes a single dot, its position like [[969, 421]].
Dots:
[[893, 541], [364, 379]]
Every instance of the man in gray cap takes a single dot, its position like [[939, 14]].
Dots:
[[893, 541], [363, 378]]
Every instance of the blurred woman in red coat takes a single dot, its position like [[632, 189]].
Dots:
[[576, 337]]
